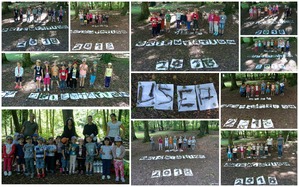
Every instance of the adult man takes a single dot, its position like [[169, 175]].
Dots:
[[90, 128], [280, 142], [269, 144], [16, 13], [30, 127]]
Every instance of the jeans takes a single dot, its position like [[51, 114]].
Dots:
[[106, 166], [188, 25], [215, 29], [211, 25], [195, 24], [62, 84], [64, 163], [50, 161], [280, 150], [92, 79], [178, 23], [154, 31], [107, 81], [29, 164]]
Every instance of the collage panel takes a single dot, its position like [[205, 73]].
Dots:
[[269, 54], [175, 152], [185, 36], [174, 95], [76, 146], [35, 26], [100, 26], [269, 18], [259, 157], [259, 101]]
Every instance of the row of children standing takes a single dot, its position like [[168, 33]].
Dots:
[[256, 12], [65, 77], [280, 45], [96, 18], [46, 153], [262, 89], [174, 143]]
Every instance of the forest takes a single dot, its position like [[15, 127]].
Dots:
[[142, 129], [51, 122]]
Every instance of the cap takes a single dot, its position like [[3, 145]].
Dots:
[[38, 60], [46, 62], [28, 137], [106, 138], [35, 135], [8, 137], [40, 139], [110, 63], [117, 139], [74, 137], [64, 140]]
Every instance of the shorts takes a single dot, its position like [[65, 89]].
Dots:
[[47, 81], [82, 76], [221, 26], [89, 159], [229, 155], [18, 79], [38, 78], [40, 163], [20, 161], [183, 22], [54, 78]]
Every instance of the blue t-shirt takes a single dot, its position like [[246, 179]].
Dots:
[[108, 152], [73, 149], [28, 150], [39, 151], [19, 150], [50, 150], [91, 148]]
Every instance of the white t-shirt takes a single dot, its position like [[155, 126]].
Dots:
[[118, 151], [166, 142], [114, 128], [269, 141]]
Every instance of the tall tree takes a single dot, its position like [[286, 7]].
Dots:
[[47, 122], [146, 132], [24, 115], [184, 124], [233, 82], [105, 122], [4, 59], [144, 11], [67, 114], [15, 121], [125, 9], [222, 82], [203, 127], [161, 125], [52, 122], [230, 138], [40, 127], [119, 114], [133, 135], [26, 60], [5, 8]]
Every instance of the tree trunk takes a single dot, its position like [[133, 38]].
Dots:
[[67, 114], [24, 115], [52, 123], [15, 121], [234, 85], [125, 9], [184, 124], [133, 135], [119, 114], [4, 59], [110, 6], [11, 126], [40, 130], [5, 8], [76, 7], [47, 122], [230, 138], [207, 129], [203, 128], [144, 11], [105, 122], [146, 132], [161, 124], [26, 60]]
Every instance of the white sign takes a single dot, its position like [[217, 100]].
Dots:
[[272, 32], [166, 173], [146, 94], [172, 157], [243, 124], [176, 172], [188, 172], [238, 182], [260, 180], [249, 181], [272, 180], [88, 46], [164, 97], [186, 96], [230, 123], [101, 32], [257, 164], [206, 96], [156, 174], [178, 42]]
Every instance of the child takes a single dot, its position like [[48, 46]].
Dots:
[[152, 143], [54, 15], [178, 18], [258, 147], [242, 150], [249, 151], [235, 152], [8, 152], [184, 20], [266, 150], [222, 23], [34, 12], [247, 91], [256, 47], [175, 147], [108, 75], [193, 143], [39, 14], [58, 154], [49, 14], [180, 141], [160, 140], [268, 88], [50, 155], [287, 46], [40, 155], [262, 150], [73, 155], [263, 87], [62, 78], [69, 75], [106, 151], [251, 13], [29, 157], [185, 142], [38, 75], [216, 24], [83, 70], [81, 156], [211, 22], [119, 152], [272, 89], [93, 73], [282, 89], [195, 17], [166, 143], [189, 20], [47, 76], [276, 88], [257, 90], [34, 139], [189, 142], [74, 76], [65, 155], [91, 152], [159, 24], [55, 75], [19, 71], [154, 22], [170, 142], [20, 155], [168, 19], [28, 13], [229, 153], [81, 17], [16, 137], [253, 148], [60, 14]]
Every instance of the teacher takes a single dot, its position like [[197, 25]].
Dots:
[[113, 129], [69, 129], [90, 128], [30, 127]]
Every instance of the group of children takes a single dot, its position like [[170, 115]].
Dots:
[[280, 45], [262, 89], [160, 21], [69, 154], [256, 12], [36, 13], [174, 143], [65, 77], [252, 150], [93, 18]]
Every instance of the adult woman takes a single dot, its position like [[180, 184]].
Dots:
[[113, 129], [69, 129]]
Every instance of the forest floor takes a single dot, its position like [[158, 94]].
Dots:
[[119, 82], [290, 28], [145, 58], [176, 79], [285, 175], [116, 22], [249, 64], [10, 39], [205, 171], [277, 115]]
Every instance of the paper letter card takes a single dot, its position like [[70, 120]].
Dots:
[[207, 96], [146, 94], [164, 96], [186, 98]]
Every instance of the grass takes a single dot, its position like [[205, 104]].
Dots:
[[239, 83], [224, 142]]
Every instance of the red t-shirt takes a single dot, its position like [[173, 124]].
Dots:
[[63, 74], [154, 22], [195, 16], [216, 18]]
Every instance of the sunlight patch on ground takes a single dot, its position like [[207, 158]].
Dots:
[[264, 61], [250, 65], [29, 86], [291, 66], [286, 174], [151, 57], [195, 51]]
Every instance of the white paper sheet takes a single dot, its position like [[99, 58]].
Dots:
[[64, 96], [238, 182], [164, 101], [187, 98], [146, 94], [162, 65], [243, 124], [210, 63], [77, 47], [43, 96], [267, 123], [98, 47], [256, 123], [176, 64], [33, 95], [272, 180], [87, 46], [109, 46], [74, 96], [249, 180], [260, 180], [53, 97], [196, 64], [206, 96], [54, 41], [230, 123]]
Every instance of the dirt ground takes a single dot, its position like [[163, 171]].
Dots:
[[285, 175], [116, 22], [205, 171], [119, 83], [11, 38], [176, 79], [145, 58], [290, 28], [277, 115], [249, 64]]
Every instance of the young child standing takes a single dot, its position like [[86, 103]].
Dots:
[[69, 75], [154, 22], [62, 78], [235, 153], [108, 75], [58, 153], [83, 71], [53, 15], [166, 142], [81, 156], [263, 87], [222, 21], [65, 155], [195, 17], [170, 142], [19, 71], [211, 22], [55, 75], [272, 89], [93, 73], [29, 157], [180, 141], [47, 76], [160, 140], [119, 152], [189, 142], [229, 153], [50, 155], [178, 18], [167, 19], [193, 143], [268, 88], [38, 75], [91, 152], [185, 140], [247, 91], [20, 155], [276, 88], [242, 150], [175, 147], [152, 143], [106, 151], [8, 152], [73, 155], [40, 156], [216, 24], [74, 76]]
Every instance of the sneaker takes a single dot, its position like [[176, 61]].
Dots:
[[32, 175], [43, 175], [20, 87], [16, 87], [44, 89], [103, 177], [108, 177], [5, 173], [123, 179], [48, 89], [26, 174], [117, 179], [9, 173], [18, 172], [38, 176]]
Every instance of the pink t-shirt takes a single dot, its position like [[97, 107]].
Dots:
[[211, 17], [189, 17], [160, 140], [83, 69]]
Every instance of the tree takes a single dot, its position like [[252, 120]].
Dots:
[[144, 11], [161, 125], [203, 128], [125, 9], [5, 8], [40, 129], [76, 7], [15, 121], [106, 57], [146, 132], [4, 59], [133, 135], [230, 138], [234, 85], [24, 116], [185, 128], [26, 60], [222, 82], [67, 114], [105, 122]]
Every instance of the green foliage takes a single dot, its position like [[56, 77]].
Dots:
[[106, 57], [127, 168]]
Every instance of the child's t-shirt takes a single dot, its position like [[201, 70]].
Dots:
[[39, 151], [195, 16], [83, 68], [193, 142], [38, 71], [118, 152], [50, 150], [59, 145], [19, 150], [168, 17], [74, 73], [55, 70], [222, 19], [235, 150], [94, 70], [107, 149], [108, 72], [91, 149], [28, 150], [174, 140], [189, 142], [65, 150], [152, 140], [73, 148], [178, 16], [154, 21], [47, 73], [216, 18], [63, 74], [166, 141], [160, 140]]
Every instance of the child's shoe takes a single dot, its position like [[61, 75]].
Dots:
[[38, 176], [103, 177], [44, 89], [43, 175], [5, 173], [9, 173], [108, 177], [117, 179], [123, 179], [16, 87], [48, 89], [20, 87]]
